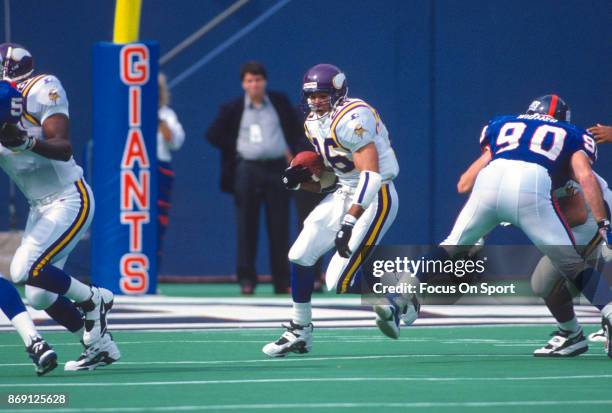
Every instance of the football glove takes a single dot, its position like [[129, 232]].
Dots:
[[343, 236], [605, 231], [294, 176], [15, 139]]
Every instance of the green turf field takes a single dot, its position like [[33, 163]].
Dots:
[[462, 369]]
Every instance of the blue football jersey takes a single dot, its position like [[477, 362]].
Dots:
[[538, 139], [11, 103]]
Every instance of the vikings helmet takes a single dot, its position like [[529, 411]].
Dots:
[[16, 62], [551, 105], [324, 78]]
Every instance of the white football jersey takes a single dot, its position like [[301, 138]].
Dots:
[[347, 129], [36, 176]]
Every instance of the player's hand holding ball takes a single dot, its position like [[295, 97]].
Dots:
[[15, 139], [344, 236], [307, 166], [294, 176]]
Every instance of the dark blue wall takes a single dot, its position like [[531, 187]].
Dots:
[[436, 70]]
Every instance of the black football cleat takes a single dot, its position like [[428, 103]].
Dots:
[[43, 356]]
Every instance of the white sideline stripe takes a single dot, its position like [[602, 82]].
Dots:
[[262, 342], [300, 359], [497, 343], [318, 406], [301, 380], [338, 339], [454, 322]]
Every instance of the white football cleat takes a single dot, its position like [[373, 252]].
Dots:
[[563, 344], [388, 320], [598, 337], [96, 310], [607, 328], [411, 311], [296, 339], [101, 353]]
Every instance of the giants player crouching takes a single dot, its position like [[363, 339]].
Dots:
[[353, 142]]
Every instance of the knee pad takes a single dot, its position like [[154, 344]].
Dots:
[[20, 265], [38, 298], [298, 255]]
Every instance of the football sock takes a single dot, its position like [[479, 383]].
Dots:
[[10, 302], [571, 325], [53, 279], [302, 285], [13, 308], [25, 327], [594, 287], [302, 313], [64, 312]]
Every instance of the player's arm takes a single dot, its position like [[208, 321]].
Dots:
[[583, 174], [370, 181], [55, 144], [574, 209], [466, 182], [601, 133]]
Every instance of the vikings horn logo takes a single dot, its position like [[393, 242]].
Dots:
[[54, 95]]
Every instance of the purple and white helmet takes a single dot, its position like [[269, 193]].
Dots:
[[16, 62], [324, 78]]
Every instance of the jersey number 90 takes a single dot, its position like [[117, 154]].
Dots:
[[511, 133]]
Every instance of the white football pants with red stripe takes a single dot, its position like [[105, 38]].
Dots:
[[519, 193]]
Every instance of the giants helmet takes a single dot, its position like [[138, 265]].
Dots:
[[16, 62], [551, 105], [324, 78]]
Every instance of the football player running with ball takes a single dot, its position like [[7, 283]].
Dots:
[[36, 153], [354, 143]]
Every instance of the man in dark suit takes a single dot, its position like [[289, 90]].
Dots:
[[257, 135]]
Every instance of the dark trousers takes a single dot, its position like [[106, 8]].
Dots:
[[259, 183], [165, 181]]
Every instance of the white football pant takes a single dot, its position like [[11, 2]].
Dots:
[[320, 228], [54, 227], [519, 193]]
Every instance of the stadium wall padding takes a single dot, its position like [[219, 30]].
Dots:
[[436, 71]]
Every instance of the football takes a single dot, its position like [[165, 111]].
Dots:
[[310, 160]]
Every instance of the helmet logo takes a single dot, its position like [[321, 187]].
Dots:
[[18, 53], [310, 85], [534, 105], [338, 80]]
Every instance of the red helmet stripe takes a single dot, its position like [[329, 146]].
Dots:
[[553, 105]]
